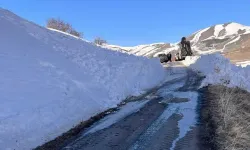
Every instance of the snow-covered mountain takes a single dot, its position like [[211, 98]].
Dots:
[[144, 50], [222, 37], [51, 81]]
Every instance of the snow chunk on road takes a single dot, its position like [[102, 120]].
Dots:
[[50, 81], [219, 70]]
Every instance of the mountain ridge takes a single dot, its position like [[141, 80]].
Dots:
[[222, 38]]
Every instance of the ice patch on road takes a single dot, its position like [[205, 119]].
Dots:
[[187, 110], [126, 110], [173, 108]]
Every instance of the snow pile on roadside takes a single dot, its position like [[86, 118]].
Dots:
[[219, 70], [50, 81]]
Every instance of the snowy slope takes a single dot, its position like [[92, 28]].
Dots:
[[51, 81], [218, 38]]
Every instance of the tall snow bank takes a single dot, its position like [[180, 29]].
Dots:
[[50, 81], [219, 70]]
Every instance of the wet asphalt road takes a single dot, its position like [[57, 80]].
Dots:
[[167, 121]]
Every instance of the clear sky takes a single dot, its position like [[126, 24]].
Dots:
[[133, 22]]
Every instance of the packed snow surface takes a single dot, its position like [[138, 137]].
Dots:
[[219, 70], [51, 81]]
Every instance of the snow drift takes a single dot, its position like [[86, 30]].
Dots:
[[51, 81], [219, 70]]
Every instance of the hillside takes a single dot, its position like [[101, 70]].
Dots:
[[241, 53], [225, 38], [144, 50], [51, 81]]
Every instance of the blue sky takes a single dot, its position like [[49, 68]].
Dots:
[[133, 22]]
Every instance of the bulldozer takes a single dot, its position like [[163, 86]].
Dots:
[[184, 51]]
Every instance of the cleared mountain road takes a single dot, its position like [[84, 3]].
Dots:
[[166, 121]]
